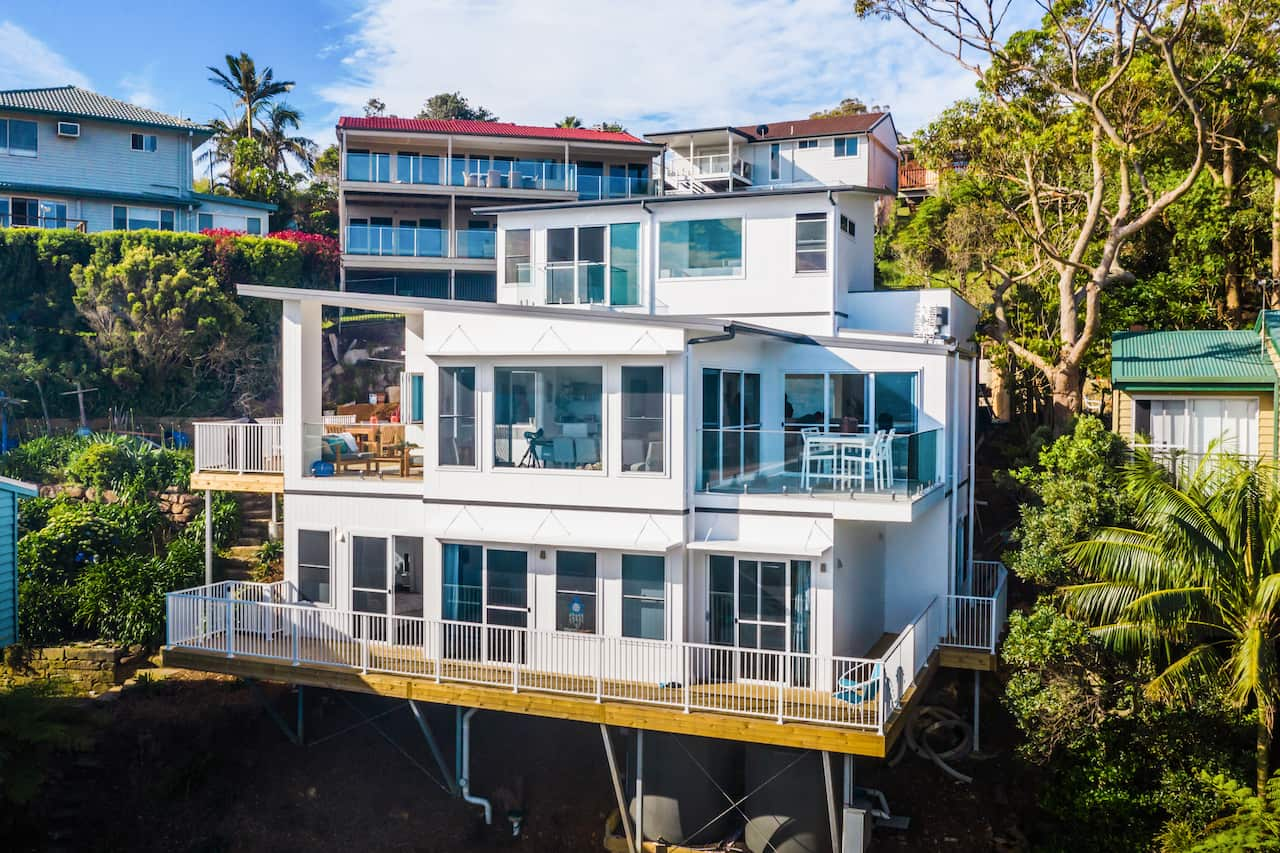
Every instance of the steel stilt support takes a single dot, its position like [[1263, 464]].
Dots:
[[450, 779], [977, 707], [208, 537], [256, 690], [639, 848], [617, 787], [301, 730], [832, 818], [848, 780]]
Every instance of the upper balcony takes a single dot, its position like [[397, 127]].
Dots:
[[499, 175], [707, 171], [407, 241]]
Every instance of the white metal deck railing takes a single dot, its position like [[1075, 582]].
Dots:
[[266, 621], [245, 448]]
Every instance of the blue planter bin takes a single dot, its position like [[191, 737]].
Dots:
[[320, 468]]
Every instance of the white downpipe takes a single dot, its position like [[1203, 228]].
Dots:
[[464, 783]]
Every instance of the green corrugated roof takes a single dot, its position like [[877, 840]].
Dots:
[[72, 101], [1219, 356]]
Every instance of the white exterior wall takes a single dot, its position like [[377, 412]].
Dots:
[[859, 588], [917, 565], [769, 291], [817, 165]]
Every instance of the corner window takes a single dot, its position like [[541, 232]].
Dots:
[[142, 141], [700, 248], [457, 425], [576, 591], [314, 566], [517, 260], [548, 417], [644, 597], [643, 419], [23, 137], [811, 242], [846, 146]]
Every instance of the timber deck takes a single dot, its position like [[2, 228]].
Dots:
[[731, 711]]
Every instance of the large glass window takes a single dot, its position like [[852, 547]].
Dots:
[[1199, 424], [895, 402], [811, 242], [314, 566], [624, 263], [643, 419], [516, 256], [369, 583], [457, 424], [135, 218], [576, 265], [26, 211], [644, 597], [576, 591], [730, 425], [846, 146], [699, 248], [548, 417], [53, 214], [24, 137]]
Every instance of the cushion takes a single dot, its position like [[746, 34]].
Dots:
[[331, 446], [350, 441]]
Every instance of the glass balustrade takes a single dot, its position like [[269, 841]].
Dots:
[[396, 240], [476, 243], [369, 167]]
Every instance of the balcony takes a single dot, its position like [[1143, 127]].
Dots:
[[393, 241], [845, 704], [16, 221], [483, 173], [476, 243], [810, 462], [243, 455], [364, 451]]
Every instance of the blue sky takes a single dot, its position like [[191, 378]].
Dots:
[[655, 65]]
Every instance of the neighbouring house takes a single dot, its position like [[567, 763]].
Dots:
[[10, 492], [1187, 392], [859, 150], [72, 158], [410, 191], [688, 473]]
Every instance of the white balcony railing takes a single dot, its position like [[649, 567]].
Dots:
[[267, 621], [245, 448]]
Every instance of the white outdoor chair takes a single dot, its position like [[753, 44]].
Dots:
[[860, 459], [817, 451], [884, 461]]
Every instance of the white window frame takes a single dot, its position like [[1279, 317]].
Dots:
[[477, 427], [143, 137], [598, 629], [624, 597], [1188, 400], [666, 420], [806, 144], [842, 142], [607, 263], [158, 211], [826, 243], [657, 237], [8, 138], [331, 533], [513, 469]]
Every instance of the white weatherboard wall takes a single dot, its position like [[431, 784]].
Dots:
[[917, 565], [859, 600], [769, 291]]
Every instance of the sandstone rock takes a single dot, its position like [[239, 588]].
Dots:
[[110, 496], [73, 491], [91, 494]]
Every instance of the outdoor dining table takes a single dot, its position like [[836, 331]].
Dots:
[[834, 447]]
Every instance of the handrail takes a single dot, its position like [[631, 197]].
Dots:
[[238, 617]]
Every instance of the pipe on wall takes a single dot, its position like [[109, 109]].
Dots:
[[464, 780]]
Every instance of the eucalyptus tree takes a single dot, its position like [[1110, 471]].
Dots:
[[1068, 136], [1194, 583]]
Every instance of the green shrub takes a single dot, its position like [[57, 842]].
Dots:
[[122, 599], [42, 459], [268, 563], [102, 464]]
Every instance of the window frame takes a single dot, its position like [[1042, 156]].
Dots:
[[594, 593], [806, 144], [742, 251], [577, 263], [640, 599], [159, 217], [825, 251], [665, 417], [20, 152], [1188, 400], [507, 256], [329, 541], [840, 146], [526, 366], [454, 417], [140, 141]]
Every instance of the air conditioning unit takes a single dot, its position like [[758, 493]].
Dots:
[[69, 129], [930, 320]]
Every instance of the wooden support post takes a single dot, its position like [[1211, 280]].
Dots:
[[617, 787]]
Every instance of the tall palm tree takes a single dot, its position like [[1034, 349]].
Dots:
[[251, 89], [569, 121], [1195, 583], [280, 120]]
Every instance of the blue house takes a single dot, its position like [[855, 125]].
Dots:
[[71, 158], [10, 492]]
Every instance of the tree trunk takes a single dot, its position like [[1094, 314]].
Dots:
[[1231, 258], [44, 408], [1263, 754], [1065, 381], [1275, 231]]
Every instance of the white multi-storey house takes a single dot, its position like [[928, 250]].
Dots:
[[410, 189], [690, 473], [858, 150]]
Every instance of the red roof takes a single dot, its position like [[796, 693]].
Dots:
[[485, 128], [860, 123]]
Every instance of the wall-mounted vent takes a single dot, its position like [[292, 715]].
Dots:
[[69, 129]]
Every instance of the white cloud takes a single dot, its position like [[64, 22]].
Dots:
[[27, 62], [139, 88], [655, 65]]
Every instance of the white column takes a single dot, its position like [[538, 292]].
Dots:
[[208, 537], [300, 385]]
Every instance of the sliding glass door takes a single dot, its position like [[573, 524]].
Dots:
[[761, 607], [486, 590]]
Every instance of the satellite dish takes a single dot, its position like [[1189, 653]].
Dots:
[[762, 130]]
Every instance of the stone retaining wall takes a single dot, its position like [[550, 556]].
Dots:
[[175, 504], [84, 668]]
